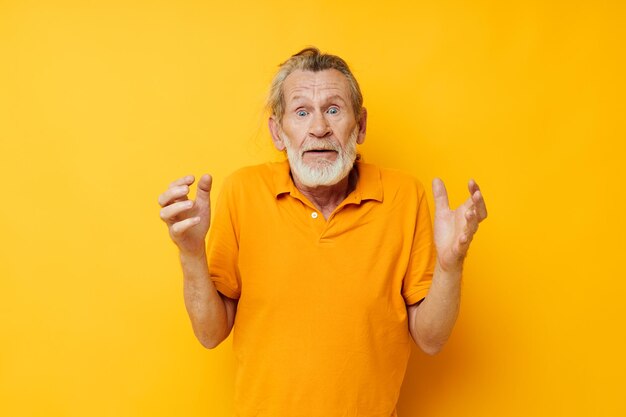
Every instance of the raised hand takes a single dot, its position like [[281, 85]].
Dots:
[[454, 229], [187, 220]]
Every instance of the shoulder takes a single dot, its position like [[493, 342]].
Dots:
[[256, 183], [254, 175], [250, 172], [394, 181]]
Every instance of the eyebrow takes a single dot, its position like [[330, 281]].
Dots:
[[333, 97]]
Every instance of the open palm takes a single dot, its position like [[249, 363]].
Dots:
[[454, 229]]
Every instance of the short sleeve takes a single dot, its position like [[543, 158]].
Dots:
[[223, 244], [419, 274]]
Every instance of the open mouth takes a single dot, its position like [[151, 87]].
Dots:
[[320, 152]]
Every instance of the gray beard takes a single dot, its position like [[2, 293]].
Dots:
[[325, 173]]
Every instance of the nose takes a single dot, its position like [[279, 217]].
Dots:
[[319, 126]]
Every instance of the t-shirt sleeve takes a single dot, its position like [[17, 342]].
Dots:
[[223, 244], [419, 274]]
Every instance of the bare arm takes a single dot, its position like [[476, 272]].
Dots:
[[211, 313], [431, 320]]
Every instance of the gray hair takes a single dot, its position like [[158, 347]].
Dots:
[[311, 59]]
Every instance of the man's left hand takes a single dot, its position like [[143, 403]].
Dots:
[[454, 229]]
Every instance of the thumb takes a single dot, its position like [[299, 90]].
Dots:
[[204, 188], [440, 194]]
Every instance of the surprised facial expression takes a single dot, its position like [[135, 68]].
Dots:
[[319, 130]]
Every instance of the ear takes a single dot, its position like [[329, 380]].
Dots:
[[274, 131], [362, 126]]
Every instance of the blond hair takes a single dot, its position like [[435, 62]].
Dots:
[[311, 59]]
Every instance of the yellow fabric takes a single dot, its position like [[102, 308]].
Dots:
[[321, 327]]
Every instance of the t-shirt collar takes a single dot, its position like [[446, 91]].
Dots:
[[368, 187]]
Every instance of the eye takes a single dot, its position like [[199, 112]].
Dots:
[[302, 113], [333, 110]]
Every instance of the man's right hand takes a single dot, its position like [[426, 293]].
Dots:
[[187, 220]]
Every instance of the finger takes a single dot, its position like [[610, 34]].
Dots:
[[470, 214], [479, 203], [463, 244], [440, 194], [169, 213], [182, 226], [472, 186], [204, 189], [173, 194], [471, 222], [186, 180]]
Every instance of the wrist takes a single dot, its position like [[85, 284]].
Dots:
[[195, 267], [187, 255], [454, 271]]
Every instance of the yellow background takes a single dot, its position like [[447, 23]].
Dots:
[[103, 103]]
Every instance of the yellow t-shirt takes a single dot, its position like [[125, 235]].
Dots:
[[321, 327]]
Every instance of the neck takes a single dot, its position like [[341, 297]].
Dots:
[[326, 198]]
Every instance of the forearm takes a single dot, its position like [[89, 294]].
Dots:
[[204, 304], [434, 318]]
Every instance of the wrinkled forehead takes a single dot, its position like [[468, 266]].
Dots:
[[316, 86]]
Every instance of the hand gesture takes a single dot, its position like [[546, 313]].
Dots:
[[454, 229], [187, 220]]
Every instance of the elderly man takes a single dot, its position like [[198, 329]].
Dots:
[[325, 266]]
